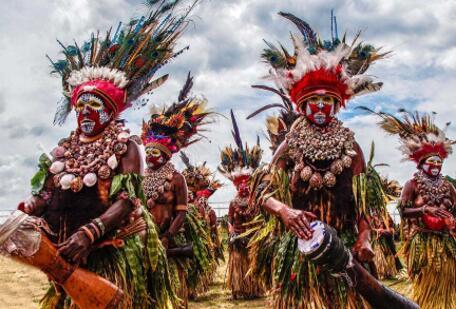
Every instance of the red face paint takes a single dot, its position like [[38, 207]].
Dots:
[[93, 115], [155, 158], [432, 166], [243, 189], [320, 109]]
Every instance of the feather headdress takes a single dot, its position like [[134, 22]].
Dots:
[[237, 164], [198, 173], [420, 138], [120, 66], [321, 67], [175, 127]]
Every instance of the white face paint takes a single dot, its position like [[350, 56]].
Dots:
[[93, 115], [432, 166], [320, 109]]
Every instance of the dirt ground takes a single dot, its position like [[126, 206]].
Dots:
[[22, 286]]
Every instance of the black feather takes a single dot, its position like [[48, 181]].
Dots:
[[186, 160], [308, 33], [262, 109], [235, 132], [183, 94], [285, 99]]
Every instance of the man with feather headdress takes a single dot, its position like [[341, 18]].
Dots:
[[238, 164], [167, 132], [317, 171], [89, 195], [427, 206]]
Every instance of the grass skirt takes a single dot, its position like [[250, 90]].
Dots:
[[384, 260], [431, 261], [240, 282], [299, 284]]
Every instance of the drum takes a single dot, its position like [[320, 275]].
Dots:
[[325, 248], [22, 239]]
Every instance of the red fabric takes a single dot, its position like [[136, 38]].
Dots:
[[320, 81], [204, 193], [113, 95], [429, 149], [433, 223]]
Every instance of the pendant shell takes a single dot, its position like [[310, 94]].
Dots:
[[306, 173], [76, 184], [123, 137], [316, 181], [104, 172], [56, 167], [58, 152], [90, 179], [65, 181], [337, 166], [347, 161], [120, 149], [329, 179], [112, 162]]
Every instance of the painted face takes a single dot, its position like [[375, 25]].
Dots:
[[243, 189], [320, 109], [155, 158], [93, 114], [432, 166]]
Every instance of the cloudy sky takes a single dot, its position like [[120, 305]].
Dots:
[[225, 41]]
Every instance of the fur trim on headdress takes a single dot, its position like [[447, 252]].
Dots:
[[420, 138]]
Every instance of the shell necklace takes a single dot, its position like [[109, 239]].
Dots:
[[158, 181], [309, 143], [76, 163], [432, 190]]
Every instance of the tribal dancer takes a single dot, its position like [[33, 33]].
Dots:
[[90, 194], [427, 206], [164, 134], [202, 185], [318, 170], [238, 165]]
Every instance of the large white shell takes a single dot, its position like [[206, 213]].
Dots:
[[112, 162], [56, 167], [123, 137], [65, 181], [90, 179]]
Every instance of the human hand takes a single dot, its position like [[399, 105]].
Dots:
[[31, 205], [75, 249], [363, 251], [297, 221], [439, 212]]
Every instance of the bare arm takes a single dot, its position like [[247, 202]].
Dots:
[[230, 218], [358, 164], [181, 195], [408, 198]]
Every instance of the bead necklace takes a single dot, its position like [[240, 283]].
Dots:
[[158, 181], [433, 190]]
